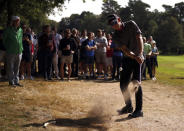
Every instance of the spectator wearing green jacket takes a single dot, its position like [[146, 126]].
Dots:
[[12, 40]]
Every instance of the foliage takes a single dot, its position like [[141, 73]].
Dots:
[[174, 41], [32, 12]]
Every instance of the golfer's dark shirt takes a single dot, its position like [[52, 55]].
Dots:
[[127, 36]]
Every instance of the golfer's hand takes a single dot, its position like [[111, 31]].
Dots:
[[139, 59]]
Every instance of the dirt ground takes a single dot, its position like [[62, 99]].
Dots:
[[81, 105]]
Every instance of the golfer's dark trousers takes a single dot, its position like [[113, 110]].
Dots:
[[131, 71]]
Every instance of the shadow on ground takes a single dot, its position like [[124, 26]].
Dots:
[[90, 122]]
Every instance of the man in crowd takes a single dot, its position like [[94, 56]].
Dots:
[[100, 53], [12, 39], [67, 46], [46, 43], [146, 63]]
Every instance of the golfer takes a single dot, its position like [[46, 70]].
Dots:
[[129, 39]]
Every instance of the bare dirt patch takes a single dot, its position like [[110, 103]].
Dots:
[[87, 106]]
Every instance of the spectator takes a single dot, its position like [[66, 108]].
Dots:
[[100, 53], [75, 63], [90, 52], [57, 38], [154, 62], [117, 61], [82, 54], [46, 41], [12, 39], [35, 50], [67, 47], [147, 53], [27, 55], [109, 54]]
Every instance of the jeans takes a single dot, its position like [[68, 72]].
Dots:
[[13, 64]]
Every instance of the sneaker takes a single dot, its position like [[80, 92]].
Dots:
[[18, 84], [21, 77], [105, 77], [99, 77], [30, 78], [154, 78], [68, 79], [136, 114], [143, 78], [91, 75], [62, 79], [126, 109], [58, 78]]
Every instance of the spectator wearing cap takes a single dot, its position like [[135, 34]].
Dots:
[[12, 39], [153, 59], [129, 39]]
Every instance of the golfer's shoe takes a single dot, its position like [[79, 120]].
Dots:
[[125, 110], [136, 114]]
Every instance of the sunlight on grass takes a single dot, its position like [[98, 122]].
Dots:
[[171, 70]]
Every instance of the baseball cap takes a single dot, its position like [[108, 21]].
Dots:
[[112, 19], [15, 18]]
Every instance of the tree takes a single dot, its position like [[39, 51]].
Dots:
[[110, 7], [139, 13], [170, 36], [179, 7], [31, 6]]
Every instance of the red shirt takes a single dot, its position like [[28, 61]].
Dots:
[[109, 52]]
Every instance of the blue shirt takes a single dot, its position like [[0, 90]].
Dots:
[[90, 43], [116, 52]]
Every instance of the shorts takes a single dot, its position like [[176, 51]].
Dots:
[[109, 61], [89, 60], [67, 59], [100, 58]]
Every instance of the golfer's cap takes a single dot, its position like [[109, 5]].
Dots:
[[15, 18], [112, 18]]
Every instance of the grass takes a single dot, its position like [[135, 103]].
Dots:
[[171, 70]]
